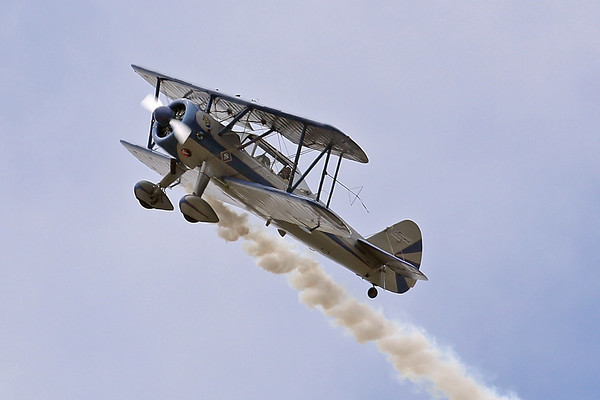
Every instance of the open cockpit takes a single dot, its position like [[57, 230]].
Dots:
[[272, 159]]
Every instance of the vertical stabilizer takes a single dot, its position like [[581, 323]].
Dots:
[[402, 240]]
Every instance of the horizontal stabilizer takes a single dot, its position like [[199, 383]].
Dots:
[[277, 205], [398, 265]]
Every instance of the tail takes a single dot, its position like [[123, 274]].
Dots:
[[404, 241]]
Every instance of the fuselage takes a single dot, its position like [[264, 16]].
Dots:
[[225, 155]]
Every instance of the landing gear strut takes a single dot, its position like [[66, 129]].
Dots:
[[372, 292], [153, 196], [193, 207]]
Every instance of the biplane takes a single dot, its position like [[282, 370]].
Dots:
[[224, 146]]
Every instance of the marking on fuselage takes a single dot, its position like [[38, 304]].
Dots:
[[215, 148], [226, 157], [206, 121]]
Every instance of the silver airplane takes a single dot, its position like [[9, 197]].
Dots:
[[224, 146]]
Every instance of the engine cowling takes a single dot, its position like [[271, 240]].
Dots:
[[182, 110]]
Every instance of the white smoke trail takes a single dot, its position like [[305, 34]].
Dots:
[[412, 354]]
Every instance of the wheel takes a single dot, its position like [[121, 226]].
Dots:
[[145, 205], [190, 219], [372, 292]]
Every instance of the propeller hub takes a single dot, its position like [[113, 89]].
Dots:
[[163, 115]]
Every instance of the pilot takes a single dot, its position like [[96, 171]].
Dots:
[[264, 160], [285, 173]]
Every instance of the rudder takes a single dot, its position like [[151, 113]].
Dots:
[[402, 240]]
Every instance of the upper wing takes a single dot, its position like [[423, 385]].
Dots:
[[318, 136], [275, 204]]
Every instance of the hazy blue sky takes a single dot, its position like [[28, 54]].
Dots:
[[481, 123]]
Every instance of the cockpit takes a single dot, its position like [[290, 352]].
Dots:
[[273, 159]]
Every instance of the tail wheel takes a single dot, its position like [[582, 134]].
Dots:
[[372, 292]]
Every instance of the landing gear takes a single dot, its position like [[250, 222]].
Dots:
[[189, 219], [145, 205], [196, 209], [193, 207], [372, 292], [152, 196]]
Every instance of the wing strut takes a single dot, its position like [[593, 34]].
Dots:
[[337, 170], [295, 166], [256, 139], [209, 102], [325, 150], [235, 120], [156, 94], [323, 174]]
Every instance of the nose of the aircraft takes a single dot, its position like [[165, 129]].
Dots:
[[163, 115]]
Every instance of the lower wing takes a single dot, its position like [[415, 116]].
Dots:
[[278, 205]]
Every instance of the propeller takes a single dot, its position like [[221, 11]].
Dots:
[[182, 131], [165, 116], [151, 103]]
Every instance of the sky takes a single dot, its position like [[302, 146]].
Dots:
[[480, 121]]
